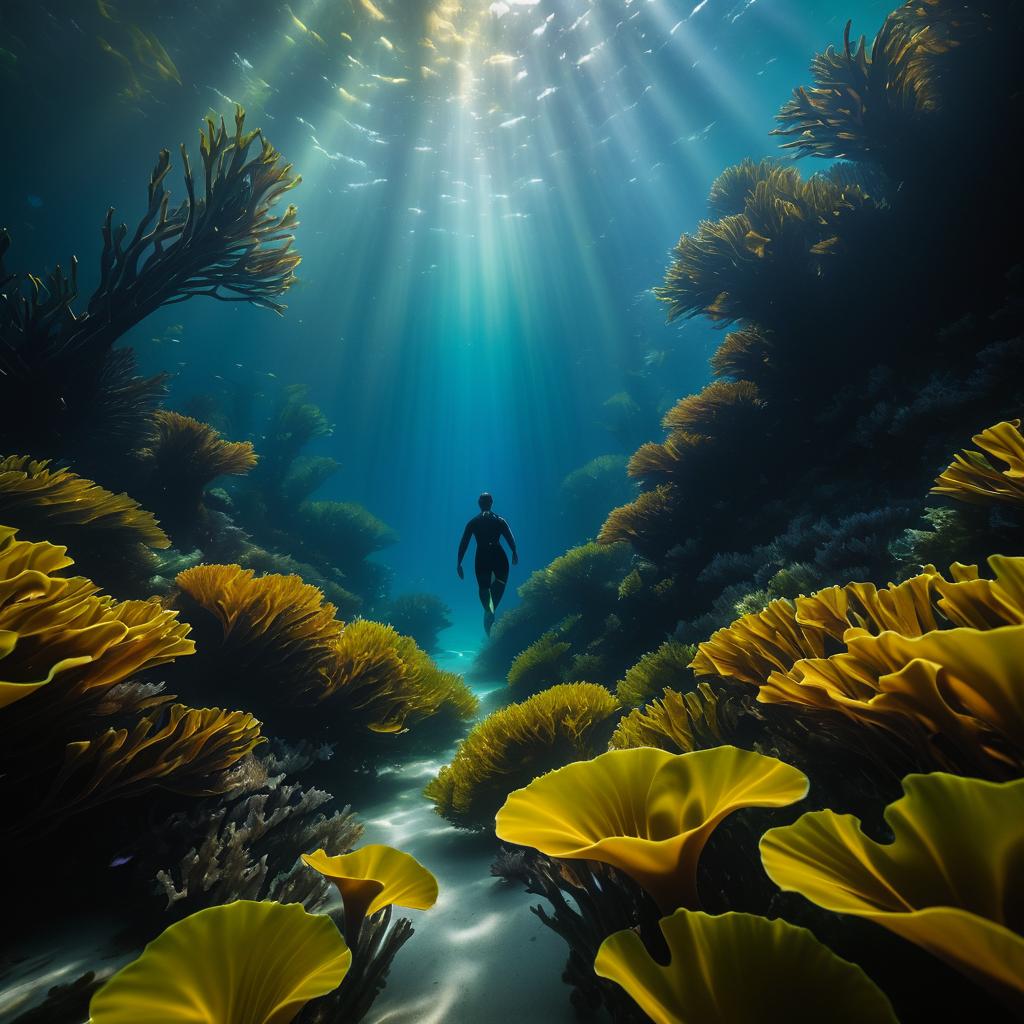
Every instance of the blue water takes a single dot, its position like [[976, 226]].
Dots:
[[457, 339]]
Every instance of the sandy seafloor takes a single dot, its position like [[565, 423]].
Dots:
[[478, 957]]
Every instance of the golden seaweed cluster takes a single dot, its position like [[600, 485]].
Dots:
[[923, 667], [872, 103], [777, 242], [513, 745], [949, 880], [977, 478], [282, 641], [260, 962], [679, 722], [41, 502], [75, 731], [183, 456]]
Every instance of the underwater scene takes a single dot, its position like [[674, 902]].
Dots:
[[511, 512]]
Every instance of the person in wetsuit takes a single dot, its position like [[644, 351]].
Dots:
[[491, 560]]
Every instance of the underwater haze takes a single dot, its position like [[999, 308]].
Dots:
[[720, 302]]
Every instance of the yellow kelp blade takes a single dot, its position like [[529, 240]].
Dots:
[[740, 968], [645, 811], [951, 881], [243, 963], [374, 877]]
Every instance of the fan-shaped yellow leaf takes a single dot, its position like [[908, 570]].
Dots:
[[786, 974], [374, 877], [645, 811], [951, 881], [244, 963]]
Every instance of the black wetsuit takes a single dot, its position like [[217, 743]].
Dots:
[[491, 561]]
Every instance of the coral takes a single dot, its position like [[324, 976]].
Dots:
[[645, 811], [949, 881], [63, 385], [588, 901], [379, 943], [245, 845], [707, 954], [182, 458], [585, 577], [306, 474], [514, 745], [420, 616], [745, 354], [372, 881], [541, 665], [680, 722], [973, 478], [245, 963], [372, 878], [667, 667]]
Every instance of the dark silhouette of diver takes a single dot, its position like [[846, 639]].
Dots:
[[491, 561]]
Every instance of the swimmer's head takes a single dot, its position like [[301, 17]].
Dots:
[[485, 501]]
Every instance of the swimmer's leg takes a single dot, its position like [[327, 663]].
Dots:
[[483, 582], [500, 579]]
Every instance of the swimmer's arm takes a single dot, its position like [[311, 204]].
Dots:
[[464, 544], [507, 534]]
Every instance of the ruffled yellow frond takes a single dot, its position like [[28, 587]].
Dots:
[[517, 743], [951, 880], [186, 454], [40, 502], [274, 626], [974, 477], [954, 692], [804, 980], [244, 963], [648, 518], [645, 811], [188, 753], [677, 722], [372, 878], [57, 628]]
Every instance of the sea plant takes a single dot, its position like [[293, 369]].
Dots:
[[515, 744], [949, 880], [697, 985], [63, 384], [974, 476], [244, 963], [645, 811]]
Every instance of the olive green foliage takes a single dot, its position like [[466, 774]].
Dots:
[[64, 388], [511, 747], [589, 493], [583, 594], [541, 665], [667, 667], [680, 722], [421, 616]]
